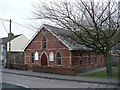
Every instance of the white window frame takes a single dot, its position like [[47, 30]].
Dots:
[[51, 56], [36, 56]]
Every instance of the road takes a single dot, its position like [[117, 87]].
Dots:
[[9, 85], [34, 82], [0, 76]]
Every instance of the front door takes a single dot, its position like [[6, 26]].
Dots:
[[44, 60]]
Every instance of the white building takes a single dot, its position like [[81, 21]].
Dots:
[[17, 44]]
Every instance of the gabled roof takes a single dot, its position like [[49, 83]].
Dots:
[[18, 43], [4, 40], [60, 33]]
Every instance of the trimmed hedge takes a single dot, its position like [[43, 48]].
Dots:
[[19, 66], [57, 70]]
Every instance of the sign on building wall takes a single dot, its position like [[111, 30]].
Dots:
[[51, 56]]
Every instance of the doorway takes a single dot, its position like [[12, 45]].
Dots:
[[43, 60]]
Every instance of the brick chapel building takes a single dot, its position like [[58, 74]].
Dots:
[[49, 48]]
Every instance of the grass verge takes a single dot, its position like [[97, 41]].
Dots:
[[103, 74]]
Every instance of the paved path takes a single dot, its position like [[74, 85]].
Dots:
[[61, 77], [92, 71], [35, 82]]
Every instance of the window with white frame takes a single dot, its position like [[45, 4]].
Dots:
[[51, 56], [36, 56]]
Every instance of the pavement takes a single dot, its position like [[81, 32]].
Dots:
[[78, 78]]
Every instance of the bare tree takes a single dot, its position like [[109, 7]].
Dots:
[[94, 25]]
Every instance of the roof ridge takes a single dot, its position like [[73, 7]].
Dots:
[[59, 34], [14, 36], [5, 39], [52, 26]]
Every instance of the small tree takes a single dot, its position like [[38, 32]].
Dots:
[[94, 25]]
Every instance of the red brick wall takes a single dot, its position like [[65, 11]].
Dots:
[[76, 56], [57, 70], [53, 44], [95, 60], [69, 58], [115, 59]]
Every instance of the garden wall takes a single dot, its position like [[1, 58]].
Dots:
[[19, 66], [57, 70]]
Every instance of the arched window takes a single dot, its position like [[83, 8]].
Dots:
[[51, 56], [43, 42], [36, 56], [58, 58], [32, 57]]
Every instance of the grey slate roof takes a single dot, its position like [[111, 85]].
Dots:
[[61, 33], [6, 39]]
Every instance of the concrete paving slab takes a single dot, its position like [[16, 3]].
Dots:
[[110, 86], [102, 86], [84, 85], [94, 86]]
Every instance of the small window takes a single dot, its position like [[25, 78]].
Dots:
[[36, 56], [51, 56], [89, 61], [81, 58], [4, 51], [58, 58], [95, 57], [32, 57], [44, 42]]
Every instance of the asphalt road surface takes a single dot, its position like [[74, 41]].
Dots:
[[12, 86], [34, 82]]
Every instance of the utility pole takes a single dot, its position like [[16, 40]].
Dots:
[[9, 38]]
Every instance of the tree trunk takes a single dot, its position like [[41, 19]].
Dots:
[[106, 57], [108, 63]]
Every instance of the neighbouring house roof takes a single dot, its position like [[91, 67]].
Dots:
[[18, 43], [4, 40], [60, 33]]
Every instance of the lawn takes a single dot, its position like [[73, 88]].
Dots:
[[103, 74]]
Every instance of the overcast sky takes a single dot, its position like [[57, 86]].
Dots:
[[18, 11]]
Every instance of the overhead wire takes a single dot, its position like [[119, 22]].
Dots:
[[23, 25], [2, 19], [4, 26]]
